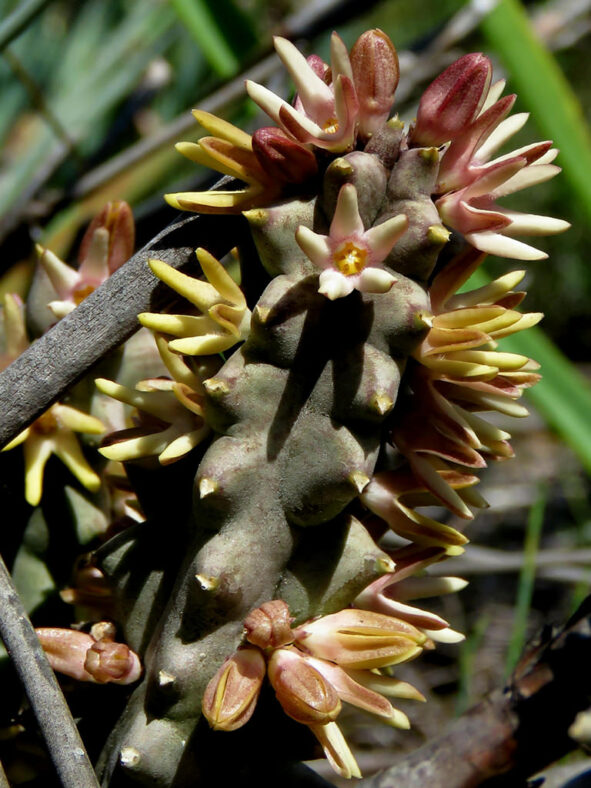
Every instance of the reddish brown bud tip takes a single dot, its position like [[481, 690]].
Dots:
[[231, 695], [107, 661], [375, 73], [453, 100], [117, 219], [269, 625], [283, 159]]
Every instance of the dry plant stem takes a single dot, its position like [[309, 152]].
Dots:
[[51, 710], [514, 732], [103, 321]]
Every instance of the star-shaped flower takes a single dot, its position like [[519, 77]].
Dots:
[[225, 318], [53, 432], [107, 244], [325, 114], [350, 255]]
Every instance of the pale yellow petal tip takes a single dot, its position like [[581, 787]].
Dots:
[[172, 200], [89, 479], [399, 720]]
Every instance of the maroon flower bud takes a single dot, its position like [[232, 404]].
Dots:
[[375, 73], [453, 100], [282, 158]]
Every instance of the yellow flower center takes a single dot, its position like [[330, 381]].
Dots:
[[350, 259], [81, 293], [331, 126]]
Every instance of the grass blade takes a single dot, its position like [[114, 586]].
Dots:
[[526, 581]]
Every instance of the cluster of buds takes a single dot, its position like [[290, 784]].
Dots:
[[316, 666], [456, 372], [336, 107], [462, 111]]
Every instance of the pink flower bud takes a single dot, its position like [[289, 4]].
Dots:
[[107, 661], [231, 695], [269, 625], [453, 100], [375, 73], [116, 218], [78, 655], [302, 691], [282, 158]]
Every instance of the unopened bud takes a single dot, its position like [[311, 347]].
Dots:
[[231, 695], [107, 661], [453, 100], [375, 73], [269, 625], [360, 639], [305, 695], [117, 219], [282, 158]]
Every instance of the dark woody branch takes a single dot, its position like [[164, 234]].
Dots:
[[514, 732]]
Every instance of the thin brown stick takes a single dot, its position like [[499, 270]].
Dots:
[[51, 710]]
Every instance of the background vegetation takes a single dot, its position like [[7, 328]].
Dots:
[[93, 94]]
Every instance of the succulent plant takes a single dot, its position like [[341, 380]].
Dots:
[[324, 409]]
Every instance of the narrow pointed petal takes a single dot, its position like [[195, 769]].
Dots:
[[501, 245], [315, 246], [205, 345], [219, 278], [266, 99], [382, 237], [222, 129], [346, 220], [315, 95], [37, 451], [339, 57], [504, 131], [78, 421], [375, 280], [202, 294], [182, 445], [532, 224], [336, 750], [334, 285], [68, 450], [62, 276]]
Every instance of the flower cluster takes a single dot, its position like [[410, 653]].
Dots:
[[342, 657], [107, 244], [463, 112], [313, 668], [169, 413], [456, 372]]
